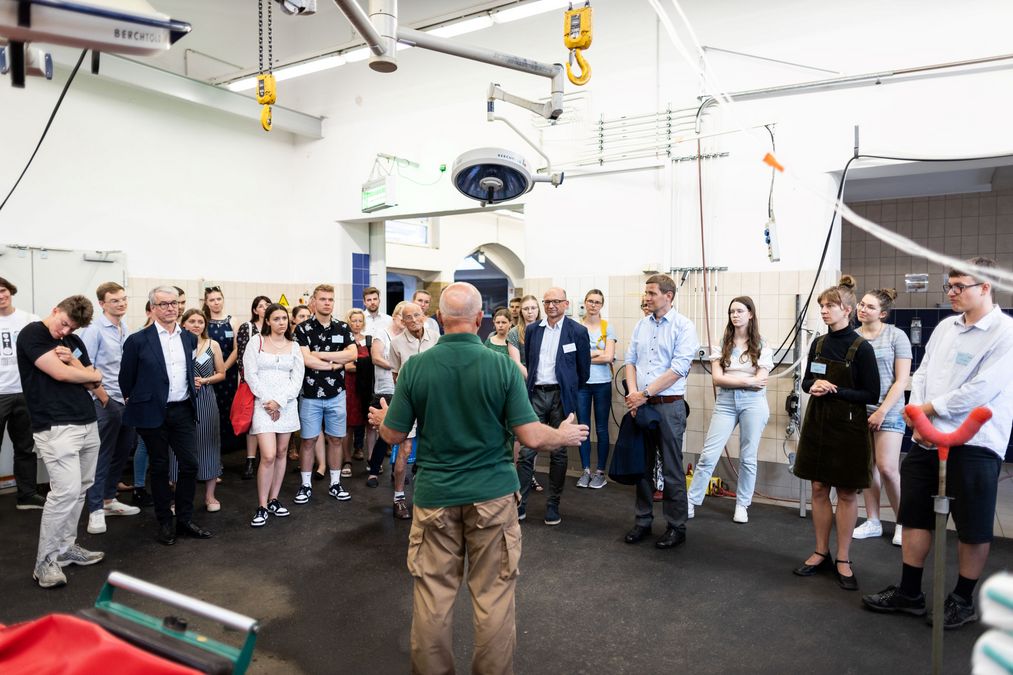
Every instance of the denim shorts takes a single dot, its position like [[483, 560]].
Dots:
[[893, 422], [327, 412]]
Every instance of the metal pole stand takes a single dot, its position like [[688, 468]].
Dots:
[[941, 505]]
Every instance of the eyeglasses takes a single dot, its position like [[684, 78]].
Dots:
[[862, 305], [959, 288], [212, 289], [166, 305], [593, 302], [552, 302]]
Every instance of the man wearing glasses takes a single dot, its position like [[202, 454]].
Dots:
[[966, 365], [558, 354], [157, 381]]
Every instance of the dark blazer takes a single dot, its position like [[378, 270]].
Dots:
[[573, 367], [144, 380]]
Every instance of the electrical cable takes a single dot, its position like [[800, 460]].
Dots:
[[45, 131]]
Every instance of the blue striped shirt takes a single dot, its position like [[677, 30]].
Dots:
[[657, 346]]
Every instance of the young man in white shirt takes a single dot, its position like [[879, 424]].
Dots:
[[967, 365], [376, 320], [14, 416]]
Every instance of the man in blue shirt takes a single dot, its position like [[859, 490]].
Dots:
[[657, 364], [104, 340]]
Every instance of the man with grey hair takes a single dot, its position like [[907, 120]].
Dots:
[[157, 382], [466, 488], [423, 299]]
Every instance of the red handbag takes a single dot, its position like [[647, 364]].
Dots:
[[241, 412]]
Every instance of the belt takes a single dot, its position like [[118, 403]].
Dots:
[[658, 400], [183, 402], [547, 387]]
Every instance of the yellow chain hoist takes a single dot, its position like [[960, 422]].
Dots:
[[267, 86], [577, 35]]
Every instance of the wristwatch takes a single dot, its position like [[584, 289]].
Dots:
[[646, 393]]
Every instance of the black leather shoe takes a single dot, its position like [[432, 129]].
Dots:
[[671, 538], [637, 534], [166, 535], [192, 529], [824, 565], [847, 583]]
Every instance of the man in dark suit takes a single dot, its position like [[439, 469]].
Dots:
[[558, 354], [157, 381]]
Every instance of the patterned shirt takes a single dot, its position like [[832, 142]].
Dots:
[[333, 337]]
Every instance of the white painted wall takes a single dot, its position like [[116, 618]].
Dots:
[[188, 193]]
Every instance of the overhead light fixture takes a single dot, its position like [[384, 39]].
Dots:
[[308, 67], [529, 9], [461, 27]]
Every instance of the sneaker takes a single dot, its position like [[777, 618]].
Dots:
[[260, 517], [552, 514], [956, 612], [97, 522], [118, 508], [890, 599], [868, 530], [401, 510], [741, 514], [36, 501], [338, 492], [142, 498], [276, 508], [585, 479], [896, 536], [303, 495], [372, 482], [598, 481], [691, 511], [48, 574], [75, 555]]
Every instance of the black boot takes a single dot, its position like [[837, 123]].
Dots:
[[248, 471]]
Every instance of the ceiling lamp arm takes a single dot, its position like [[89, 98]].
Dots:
[[357, 16], [553, 71], [495, 92]]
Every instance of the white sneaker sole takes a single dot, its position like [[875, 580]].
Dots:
[[865, 534], [55, 584], [96, 530], [122, 513]]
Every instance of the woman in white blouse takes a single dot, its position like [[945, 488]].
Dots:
[[273, 367], [740, 373]]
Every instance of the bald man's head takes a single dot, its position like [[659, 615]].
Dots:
[[461, 308]]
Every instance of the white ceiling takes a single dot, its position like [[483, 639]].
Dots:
[[224, 39]]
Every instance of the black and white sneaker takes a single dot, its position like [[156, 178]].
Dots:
[[303, 495], [277, 509], [259, 518], [338, 492]]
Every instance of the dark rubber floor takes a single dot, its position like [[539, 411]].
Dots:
[[330, 587]]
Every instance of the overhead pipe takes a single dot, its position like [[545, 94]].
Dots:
[[361, 23]]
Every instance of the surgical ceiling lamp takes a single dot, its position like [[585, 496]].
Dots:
[[113, 26]]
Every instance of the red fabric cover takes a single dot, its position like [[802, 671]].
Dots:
[[66, 645]]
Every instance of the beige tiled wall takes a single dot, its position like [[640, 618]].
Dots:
[[238, 295], [962, 226]]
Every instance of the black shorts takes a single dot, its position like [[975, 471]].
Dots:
[[972, 481]]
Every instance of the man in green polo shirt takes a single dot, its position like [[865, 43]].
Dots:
[[468, 400]]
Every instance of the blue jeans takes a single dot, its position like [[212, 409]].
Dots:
[[140, 463], [749, 410], [116, 441], [601, 395]]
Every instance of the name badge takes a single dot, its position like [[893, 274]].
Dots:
[[818, 368], [77, 353], [203, 358], [569, 347], [229, 333], [963, 358], [337, 339]]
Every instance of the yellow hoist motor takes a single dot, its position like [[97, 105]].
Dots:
[[577, 33], [267, 86]]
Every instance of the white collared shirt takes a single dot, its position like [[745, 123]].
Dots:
[[175, 361], [661, 345], [546, 373], [967, 367], [376, 323]]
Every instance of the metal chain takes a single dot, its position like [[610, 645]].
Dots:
[[260, 33], [270, 38]]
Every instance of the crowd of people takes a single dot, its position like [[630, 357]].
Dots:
[[465, 422]]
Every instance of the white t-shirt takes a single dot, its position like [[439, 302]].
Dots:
[[10, 326]]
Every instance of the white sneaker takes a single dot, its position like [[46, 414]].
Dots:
[[868, 529], [75, 555], [897, 536], [118, 508], [741, 514], [97, 522], [48, 574], [690, 513]]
